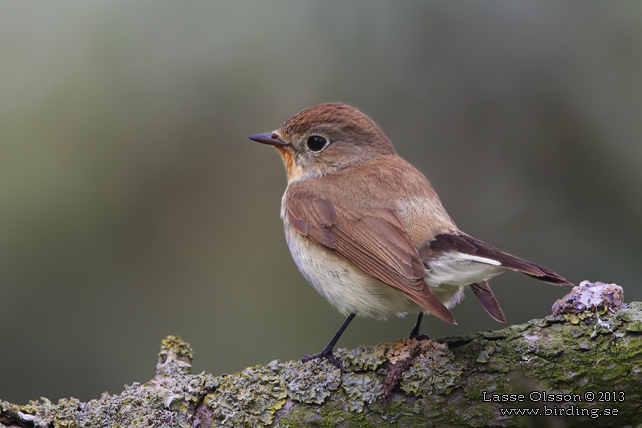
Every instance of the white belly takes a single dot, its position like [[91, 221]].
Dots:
[[343, 284], [349, 288]]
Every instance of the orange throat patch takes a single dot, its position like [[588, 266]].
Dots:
[[292, 170]]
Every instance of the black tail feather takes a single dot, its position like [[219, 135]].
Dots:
[[463, 243]]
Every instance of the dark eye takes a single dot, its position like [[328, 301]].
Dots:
[[316, 143]]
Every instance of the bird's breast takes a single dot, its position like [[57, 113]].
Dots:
[[344, 285]]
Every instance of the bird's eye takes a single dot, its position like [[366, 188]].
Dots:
[[316, 143]]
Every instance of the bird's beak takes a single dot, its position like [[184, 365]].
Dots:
[[268, 138]]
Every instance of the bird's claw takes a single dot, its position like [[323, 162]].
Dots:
[[327, 354], [418, 336]]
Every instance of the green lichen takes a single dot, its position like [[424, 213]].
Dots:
[[336, 415], [66, 416], [434, 371], [248, 399], [175, 357], [310, 382], [632, 315], [332, 414], [364, 357], [574, 348], [162, 402], [440, 384], [635, 327], [362, 389], [485, 354]]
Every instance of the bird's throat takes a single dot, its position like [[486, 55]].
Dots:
[[293, 171]]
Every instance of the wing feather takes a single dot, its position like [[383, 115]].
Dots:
[[374, 240]]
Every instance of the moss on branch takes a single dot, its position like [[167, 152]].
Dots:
[[594, 363]]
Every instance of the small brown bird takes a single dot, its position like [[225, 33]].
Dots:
[[368, 231]]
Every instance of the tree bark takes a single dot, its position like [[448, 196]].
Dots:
[[567, 370]]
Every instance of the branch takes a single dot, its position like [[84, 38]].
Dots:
[[584, 368]]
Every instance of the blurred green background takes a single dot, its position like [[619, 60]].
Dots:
[[132, 206]]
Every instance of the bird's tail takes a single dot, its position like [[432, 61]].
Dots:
[[487, 299], [468, 245], [462, 243]]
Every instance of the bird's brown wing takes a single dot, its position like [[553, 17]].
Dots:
[[373, 240]]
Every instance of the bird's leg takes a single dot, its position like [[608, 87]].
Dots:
[[414, 334], [327, 351]]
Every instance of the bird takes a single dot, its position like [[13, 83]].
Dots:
[[368, 231]]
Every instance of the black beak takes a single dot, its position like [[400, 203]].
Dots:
[[268, 138]]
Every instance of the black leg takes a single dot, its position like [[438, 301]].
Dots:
[[327, 351], [414, 334]]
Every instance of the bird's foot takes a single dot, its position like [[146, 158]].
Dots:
[[414, 334], [418, 336], [327, 354], [327, 351]]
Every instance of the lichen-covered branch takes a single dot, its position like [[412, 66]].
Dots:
[[583, 370]]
